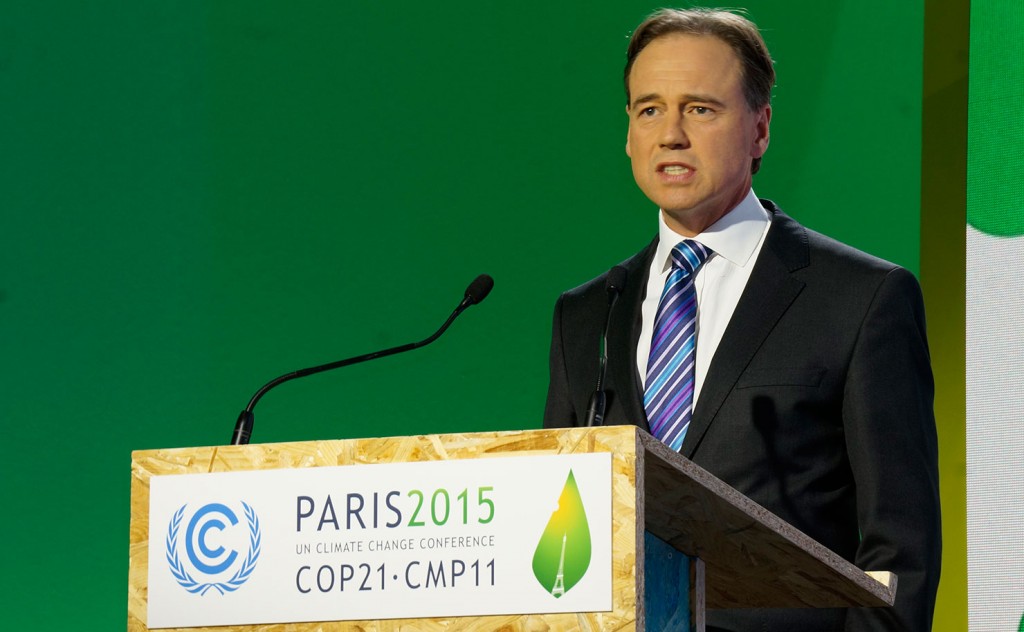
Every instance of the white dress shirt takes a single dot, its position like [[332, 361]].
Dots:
[[736, 240]]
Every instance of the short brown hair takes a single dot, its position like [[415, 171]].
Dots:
[[735, 30]]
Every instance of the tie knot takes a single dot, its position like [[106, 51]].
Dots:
[[688, 255]]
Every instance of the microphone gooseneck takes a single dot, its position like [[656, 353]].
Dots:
[[475, 293], [614, 284]]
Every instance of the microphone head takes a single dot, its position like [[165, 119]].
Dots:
[[478, 289], [616, 280]]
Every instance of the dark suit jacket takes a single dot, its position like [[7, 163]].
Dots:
[[817, 405]]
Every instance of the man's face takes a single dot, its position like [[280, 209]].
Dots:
[[692, 136]]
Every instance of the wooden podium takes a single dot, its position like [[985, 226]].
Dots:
[[740, 554]]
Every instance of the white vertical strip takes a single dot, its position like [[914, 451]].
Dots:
[[995, 431]]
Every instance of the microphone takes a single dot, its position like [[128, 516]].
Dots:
[[475, 293], [614, 283]]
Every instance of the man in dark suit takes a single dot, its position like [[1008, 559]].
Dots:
[[798, 369]]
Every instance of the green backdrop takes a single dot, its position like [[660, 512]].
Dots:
[[199, 196]]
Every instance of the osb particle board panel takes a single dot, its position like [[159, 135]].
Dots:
[[620, 441], [753, 558]]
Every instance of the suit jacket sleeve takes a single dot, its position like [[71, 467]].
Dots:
[[892, 447]]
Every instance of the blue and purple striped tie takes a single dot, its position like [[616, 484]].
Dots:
[[668, 396]]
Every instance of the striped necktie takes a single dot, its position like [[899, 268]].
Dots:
[[668, 396]]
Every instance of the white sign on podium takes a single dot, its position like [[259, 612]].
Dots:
[[514, 535]]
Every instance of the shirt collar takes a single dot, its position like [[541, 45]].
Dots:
[[734, 236]]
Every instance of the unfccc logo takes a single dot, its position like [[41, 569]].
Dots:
[[209, 534]]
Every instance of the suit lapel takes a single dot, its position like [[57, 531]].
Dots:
[[624, 333], [770, 291]]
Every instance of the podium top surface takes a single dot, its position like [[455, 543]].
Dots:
[[753, 557]]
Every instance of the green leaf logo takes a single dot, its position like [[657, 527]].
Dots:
[[563, 553]]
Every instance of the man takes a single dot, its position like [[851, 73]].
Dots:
[[791, 366]]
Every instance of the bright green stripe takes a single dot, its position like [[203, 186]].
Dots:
[[995, 130]]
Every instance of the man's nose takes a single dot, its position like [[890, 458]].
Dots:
[[673, 135]]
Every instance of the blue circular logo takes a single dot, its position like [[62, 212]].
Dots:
[[205, 551]]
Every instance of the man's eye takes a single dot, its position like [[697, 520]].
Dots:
[[649, 111], [700, 109]]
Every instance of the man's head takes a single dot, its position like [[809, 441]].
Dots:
[[698, 86], [737, 31]]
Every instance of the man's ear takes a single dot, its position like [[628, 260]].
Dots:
[[762, 134]]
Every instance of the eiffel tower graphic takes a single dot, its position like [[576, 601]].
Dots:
[[559, 588]]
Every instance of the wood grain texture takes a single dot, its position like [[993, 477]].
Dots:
[[619, 441], [699, 598]]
